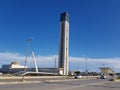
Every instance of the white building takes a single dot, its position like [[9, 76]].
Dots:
[[106, 70], [13, 67]]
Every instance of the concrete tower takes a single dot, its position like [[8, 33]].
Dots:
[[64, 44]]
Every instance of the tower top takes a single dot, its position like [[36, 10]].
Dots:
[[64, 17]]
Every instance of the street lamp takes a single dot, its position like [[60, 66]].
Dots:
[[69, 66], [86, 66], [55, 66], [27, 52]]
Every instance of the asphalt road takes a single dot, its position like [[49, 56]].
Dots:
[[96, 84]]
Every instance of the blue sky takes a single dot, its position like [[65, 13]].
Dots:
[[94, 27]]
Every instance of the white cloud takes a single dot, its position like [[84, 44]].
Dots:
[[6, 57], [95, 64], [42, 61], [74, 64]]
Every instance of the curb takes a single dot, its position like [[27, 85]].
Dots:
[[19, 82]]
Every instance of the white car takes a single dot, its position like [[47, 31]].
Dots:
[[78, 76], [102, 77], [0, 74]]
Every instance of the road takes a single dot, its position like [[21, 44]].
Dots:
[[73, 84]]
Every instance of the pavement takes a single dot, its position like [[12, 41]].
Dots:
[[66, 84], [56, 83]]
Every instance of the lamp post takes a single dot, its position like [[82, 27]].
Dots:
[[86, 66], [69, 66], [27, 52], [55, 66]]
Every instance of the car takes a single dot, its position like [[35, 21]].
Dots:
[[1, 74], [78, 76], [102, 77]]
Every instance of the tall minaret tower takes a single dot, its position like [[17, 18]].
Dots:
[[64, 44]]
